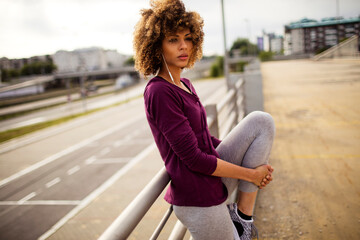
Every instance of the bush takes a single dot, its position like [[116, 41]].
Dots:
[[239, 67], [214, 70], [217, 69], [266, 56]]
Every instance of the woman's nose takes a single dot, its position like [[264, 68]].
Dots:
[[183, 44]]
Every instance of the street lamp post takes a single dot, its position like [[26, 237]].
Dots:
[[226, 66]]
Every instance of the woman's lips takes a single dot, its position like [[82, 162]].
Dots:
[[183, 57]]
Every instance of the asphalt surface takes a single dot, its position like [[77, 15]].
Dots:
[[46, 181], [315, 193], [66, 109]]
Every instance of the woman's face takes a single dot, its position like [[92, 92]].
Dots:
[[177, 48]]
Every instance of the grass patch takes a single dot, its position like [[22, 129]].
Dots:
[[17, 132]]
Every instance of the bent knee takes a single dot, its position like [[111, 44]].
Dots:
[[264, 119]]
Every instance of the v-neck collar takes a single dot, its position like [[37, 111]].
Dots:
[[188, 87]]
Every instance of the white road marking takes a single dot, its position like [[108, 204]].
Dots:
[[118, 143], [73, 170], [86, 201], [112, 160], [90, 160], [27, 122], [105, 151], [53, 182], [27, 197], [40, 202], [132, 142], [69, 150]]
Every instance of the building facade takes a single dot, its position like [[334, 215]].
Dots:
[[270, 42], [87, 59], [309, 36]]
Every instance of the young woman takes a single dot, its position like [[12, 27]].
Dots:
[[204, 171]]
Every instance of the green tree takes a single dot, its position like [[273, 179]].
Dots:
[[266, 56], [245, 47], [130, 61], [217, 69]]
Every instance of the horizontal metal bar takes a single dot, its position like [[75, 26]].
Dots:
[[162, 224], [122, 227], [229, 124], [178, 231], [225, 100]]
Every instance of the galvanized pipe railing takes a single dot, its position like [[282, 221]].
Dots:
[[126, 222]]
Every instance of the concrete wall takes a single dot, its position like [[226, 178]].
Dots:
[[254, 99]]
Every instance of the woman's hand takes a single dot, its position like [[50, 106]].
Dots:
[[263, 175]]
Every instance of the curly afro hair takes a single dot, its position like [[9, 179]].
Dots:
[[163, 18]]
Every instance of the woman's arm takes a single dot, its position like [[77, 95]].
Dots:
[[260, 176]]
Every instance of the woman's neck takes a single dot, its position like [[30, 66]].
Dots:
[[175, 73]]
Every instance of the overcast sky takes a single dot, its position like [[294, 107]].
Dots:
[[39, 27]]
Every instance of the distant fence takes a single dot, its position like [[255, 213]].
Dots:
[[222, 117], [348, 48]]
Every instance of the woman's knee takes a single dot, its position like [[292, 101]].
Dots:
[[263, 119]]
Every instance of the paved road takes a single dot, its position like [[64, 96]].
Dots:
[[41, 182], [66, 109], [316, 189]]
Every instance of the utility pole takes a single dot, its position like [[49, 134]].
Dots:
[[226, 65]]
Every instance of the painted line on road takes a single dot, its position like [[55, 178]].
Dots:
[[118, 143], [52, 182], [112, 160], [28, 197], [28, 122], [73, 170], [105, 151], [69, 150], [86, 201], [40, 202], [90, 160]]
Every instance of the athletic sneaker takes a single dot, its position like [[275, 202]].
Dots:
[[248, 225]]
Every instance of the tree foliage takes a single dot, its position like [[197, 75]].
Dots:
[[245, 47], [34, 68], [217, 69]]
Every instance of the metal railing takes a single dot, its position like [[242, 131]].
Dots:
[[227, 112]]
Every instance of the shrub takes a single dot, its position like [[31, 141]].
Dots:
[[266, 56]]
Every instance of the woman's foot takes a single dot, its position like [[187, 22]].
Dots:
[[245, 228]]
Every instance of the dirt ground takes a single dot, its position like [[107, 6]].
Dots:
[[316, 154]]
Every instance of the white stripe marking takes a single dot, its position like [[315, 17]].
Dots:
[[118, 143], [73, 170], [90, 160], [105, 151], [28, 122], [53, 182], [28, 197], [69, 150], [112, 160], [86, 201], [40, 202]]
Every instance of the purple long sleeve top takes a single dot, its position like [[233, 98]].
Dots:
[[178, 123]]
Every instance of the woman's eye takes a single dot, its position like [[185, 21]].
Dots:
[[189, 39], [172, 40]]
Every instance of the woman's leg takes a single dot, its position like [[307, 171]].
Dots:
[[206, 223], [248, 145]]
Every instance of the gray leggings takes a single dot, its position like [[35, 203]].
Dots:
[[248, 145]]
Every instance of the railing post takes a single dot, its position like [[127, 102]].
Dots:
[[211, 111]]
